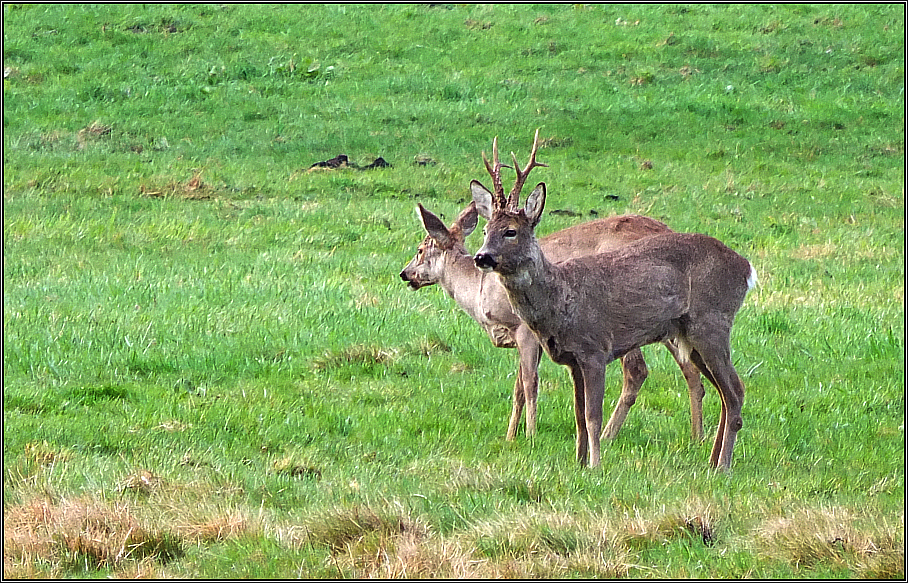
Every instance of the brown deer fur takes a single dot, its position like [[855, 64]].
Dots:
[[587, 311], [442, 258]]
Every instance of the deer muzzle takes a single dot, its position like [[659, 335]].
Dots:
[[485, 262], [412, 282]]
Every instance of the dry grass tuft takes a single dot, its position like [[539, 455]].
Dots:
[[835, 536], [365, 543], [369, 544], [295, 468], [83, 532], [91, 133], [531, 533], [429, 346], [340, 529], [217, 527], [142, 481], [697, 522], [199, 512], [539, 544], [483, 477], [192, 189], [45, 538], [358, 355], [44, 454], [37, 456], [147, 568]]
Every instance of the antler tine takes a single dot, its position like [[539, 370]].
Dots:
[[495, 172], [522, 174]]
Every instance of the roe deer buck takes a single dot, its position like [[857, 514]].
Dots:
[[587, 311], [442, 258]]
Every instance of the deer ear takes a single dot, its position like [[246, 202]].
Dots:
[[534, 204], [483, 199], [467, 220], [434, 227]]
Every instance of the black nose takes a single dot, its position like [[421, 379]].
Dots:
[[403, 276], [485, 261]]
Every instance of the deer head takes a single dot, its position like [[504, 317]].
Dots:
[[509, 226], [427, 266]]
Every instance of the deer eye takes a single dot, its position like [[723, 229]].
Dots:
[[510, 234]]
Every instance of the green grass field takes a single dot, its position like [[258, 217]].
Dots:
[[212, 369]]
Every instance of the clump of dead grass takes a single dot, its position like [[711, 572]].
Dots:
[[197, 513], [43, 454], [355, 355], [79, 532], [366, 543], [192, 189], [532, 533], [142, 481], [696, 522], [341, 528], [209, 527], [296, 468], [135, 537], [835, 536], [542, 544], [93, 132]]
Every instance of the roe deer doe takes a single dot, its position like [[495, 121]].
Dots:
[[588, 311], [442, 258]]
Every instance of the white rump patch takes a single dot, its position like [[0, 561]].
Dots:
[[752, 279]]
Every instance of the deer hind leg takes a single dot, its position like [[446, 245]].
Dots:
[[581, 444], [716, 366], [635, 372], [694, 389]]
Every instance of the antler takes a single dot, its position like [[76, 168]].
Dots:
[[495, 172], [514, 197]]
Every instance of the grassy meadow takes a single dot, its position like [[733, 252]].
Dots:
[[212, 369]]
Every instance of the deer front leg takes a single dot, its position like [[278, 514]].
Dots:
[[530, 354], [526, 387], [589, 386], [516, 405], [694, 389], [594, 389], [635, 372]]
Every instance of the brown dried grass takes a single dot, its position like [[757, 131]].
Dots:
[[135, 536], [697, 521], [84, 531], [192, 189], [835, 536]]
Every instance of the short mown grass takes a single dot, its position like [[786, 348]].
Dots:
[[212, 369]]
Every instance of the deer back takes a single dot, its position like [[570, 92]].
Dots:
[[598, 236], [647, 291]]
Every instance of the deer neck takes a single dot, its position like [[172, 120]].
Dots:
[[466, 284], [537, 292]]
